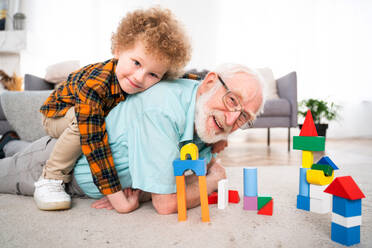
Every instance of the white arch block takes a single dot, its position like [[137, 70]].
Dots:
[[320, 206]]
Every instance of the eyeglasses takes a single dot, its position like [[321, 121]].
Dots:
[[232, 104]]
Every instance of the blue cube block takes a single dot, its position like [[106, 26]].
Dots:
[[347, 208], [303, 202], [199, 167], [303, 184], [344, 235]]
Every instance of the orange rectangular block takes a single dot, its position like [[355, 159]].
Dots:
[[181, 198], [204, 198]]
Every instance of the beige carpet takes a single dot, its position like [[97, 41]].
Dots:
[[23, 225]]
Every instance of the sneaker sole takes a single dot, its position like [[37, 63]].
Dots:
[[50, 206]]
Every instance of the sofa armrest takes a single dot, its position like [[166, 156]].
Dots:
[[287, 89], [21, 109], [35, 83]]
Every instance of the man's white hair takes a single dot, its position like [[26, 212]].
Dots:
[[228, 70]]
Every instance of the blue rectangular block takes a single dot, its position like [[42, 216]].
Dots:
[[303, 184], [345, 236], [347, 208], [303, 202], [250, 181], [199, 167]]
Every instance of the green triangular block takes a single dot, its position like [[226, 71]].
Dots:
[[262, 201]]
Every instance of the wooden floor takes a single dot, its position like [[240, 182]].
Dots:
[[248, 152]]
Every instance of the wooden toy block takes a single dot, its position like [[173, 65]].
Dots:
[[204, 198], [250, 181], [346, 221], [303, 202], [307, 159], [306, 143], [250, 203], [303, 184], [213, 198], [346, 207], [345, 236], [199, 167], [327, 169], [267, 209], [345, 187], [316, 191], [181, 198], [308, 128], [234, 196], [223, 194], [189, 149], [262, 201], [320, 206], [317, 177], [328, 161]]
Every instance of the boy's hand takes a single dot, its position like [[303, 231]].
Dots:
[[219, 146], [123, 201]]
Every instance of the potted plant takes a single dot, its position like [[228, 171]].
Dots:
[[321, 111]]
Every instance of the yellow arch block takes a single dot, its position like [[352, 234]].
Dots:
[[317, 177], [191, 149]]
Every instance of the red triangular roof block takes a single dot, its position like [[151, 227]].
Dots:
[[308, 128], [345, 187], [267, 209]]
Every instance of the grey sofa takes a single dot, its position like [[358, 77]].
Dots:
[[281, 112], [19, 111]]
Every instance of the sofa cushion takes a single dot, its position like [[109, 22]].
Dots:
[[35, 83], [277, 107], [270, 89], [22, 112]]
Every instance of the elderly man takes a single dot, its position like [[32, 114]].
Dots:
[[146, 132]]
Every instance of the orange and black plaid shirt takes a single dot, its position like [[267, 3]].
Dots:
[[93, 90]]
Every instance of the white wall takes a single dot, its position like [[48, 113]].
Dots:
[[64, 30], [326, 41]]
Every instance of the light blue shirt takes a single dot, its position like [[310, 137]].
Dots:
[[145, 133]]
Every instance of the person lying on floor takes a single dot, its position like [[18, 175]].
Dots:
[[158, 122]]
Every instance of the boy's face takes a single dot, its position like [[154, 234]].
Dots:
[[137, 70]]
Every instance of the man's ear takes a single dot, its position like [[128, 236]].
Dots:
[[208, 82]]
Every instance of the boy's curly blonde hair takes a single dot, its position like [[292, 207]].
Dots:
[[162, 35]]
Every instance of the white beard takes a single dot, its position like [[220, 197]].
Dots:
[[202, 113]]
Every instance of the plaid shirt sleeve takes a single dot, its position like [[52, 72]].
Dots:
[[94, 140]]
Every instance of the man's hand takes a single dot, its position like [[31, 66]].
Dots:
[[215, 173], [123, 201], [219, 146]]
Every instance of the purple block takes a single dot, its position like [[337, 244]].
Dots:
[[250, 202]]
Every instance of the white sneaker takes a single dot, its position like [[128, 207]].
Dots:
[[51, 195]]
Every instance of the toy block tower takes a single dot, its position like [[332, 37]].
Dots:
[[198, 166], [346, 210], [264, 204], [313, 177]]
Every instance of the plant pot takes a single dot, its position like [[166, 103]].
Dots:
[[321, 129]]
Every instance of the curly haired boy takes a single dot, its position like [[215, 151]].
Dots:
[[148, 46]]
